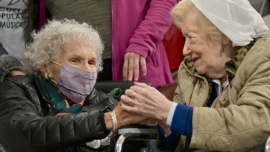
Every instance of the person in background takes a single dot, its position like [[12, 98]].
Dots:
[[9, 66], [222, 101], [18, 19], [13, 15], [55, 106], [132, 32]]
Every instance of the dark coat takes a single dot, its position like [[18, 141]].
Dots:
[[28, 123]]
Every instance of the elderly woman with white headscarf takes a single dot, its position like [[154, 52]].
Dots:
[[222, 102]]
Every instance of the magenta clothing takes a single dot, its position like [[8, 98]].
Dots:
[[138, 26]]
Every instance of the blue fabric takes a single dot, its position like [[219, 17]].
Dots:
[[2, 50], [171, 141], [213, 96], [181, 125], [182, 120], [152, 146]]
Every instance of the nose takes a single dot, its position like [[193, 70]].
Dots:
[[88, 67], [186, 50]]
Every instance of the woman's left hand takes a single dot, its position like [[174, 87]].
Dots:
[[132, 63], [147, 101]]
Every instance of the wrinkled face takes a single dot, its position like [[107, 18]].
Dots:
[[74, 53], [205, 52]]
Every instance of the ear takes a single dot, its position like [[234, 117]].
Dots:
[[225, 40], [44, 72]]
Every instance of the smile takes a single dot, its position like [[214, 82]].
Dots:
[[195, 59]]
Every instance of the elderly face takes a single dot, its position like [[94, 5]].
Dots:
[[205, 52], [77, 54]]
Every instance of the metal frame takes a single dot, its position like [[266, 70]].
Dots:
[[135, 133]]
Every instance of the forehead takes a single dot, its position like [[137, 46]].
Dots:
[[79, 48], [190, 23]]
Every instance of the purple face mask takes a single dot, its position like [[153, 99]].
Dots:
[[76, 83]]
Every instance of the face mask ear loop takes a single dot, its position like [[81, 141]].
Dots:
[[51, 78], [56, 63]]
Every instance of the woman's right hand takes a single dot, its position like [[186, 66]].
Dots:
[[145, 100], [125, 118]]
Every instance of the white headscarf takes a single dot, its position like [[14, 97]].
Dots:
[[236, 19]]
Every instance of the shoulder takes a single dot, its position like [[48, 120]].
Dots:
[[260, 48], [20, 81], [17, 86], [19, 90], [257, 56]]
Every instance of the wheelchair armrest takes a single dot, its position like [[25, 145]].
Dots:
[[135, 132], [107, 86], [138, 129]]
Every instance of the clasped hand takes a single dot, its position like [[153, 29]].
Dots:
[[146, 101]]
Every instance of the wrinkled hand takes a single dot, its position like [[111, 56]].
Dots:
[[148, 121], [145, 100], [126, 118], [131, 66]]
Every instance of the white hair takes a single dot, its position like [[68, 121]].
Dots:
[[47, 43]]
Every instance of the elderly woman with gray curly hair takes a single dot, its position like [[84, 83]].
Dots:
[[55, 106]]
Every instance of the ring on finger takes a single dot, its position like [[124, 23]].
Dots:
[[133, 95]]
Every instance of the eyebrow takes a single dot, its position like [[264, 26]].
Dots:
[[185, 33], [81, 56], [75, 55]]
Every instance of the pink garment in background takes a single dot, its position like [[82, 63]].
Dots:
[[42, 13], [139, 26]]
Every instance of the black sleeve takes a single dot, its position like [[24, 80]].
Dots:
[[22, 124]]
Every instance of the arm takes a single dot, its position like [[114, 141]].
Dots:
[[169, 142], [151, 30], [25, 125], [174, 119], [146, 37], [241, 113]]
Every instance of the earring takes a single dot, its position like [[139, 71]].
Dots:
[[222, 48]]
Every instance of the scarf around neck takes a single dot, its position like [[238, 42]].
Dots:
[[61, 106]]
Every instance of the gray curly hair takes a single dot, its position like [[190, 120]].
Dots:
[[46, 45]]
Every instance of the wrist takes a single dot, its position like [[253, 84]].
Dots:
[[166, 128], [108, 121], [114, 121], [163, 116]]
